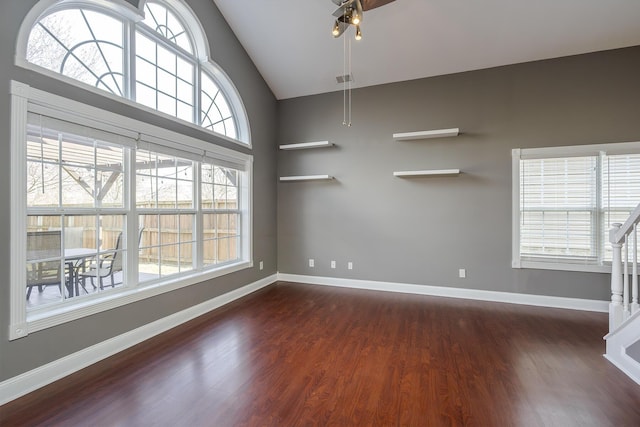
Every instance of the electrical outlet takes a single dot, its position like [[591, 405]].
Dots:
[[261, 265], [333, 264], [350, 265], [311, 262], [462, 273]]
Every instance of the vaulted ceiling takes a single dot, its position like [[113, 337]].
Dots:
[[291, 43]]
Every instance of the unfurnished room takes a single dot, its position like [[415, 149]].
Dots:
[[320, 213]]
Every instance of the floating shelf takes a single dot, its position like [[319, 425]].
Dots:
[[306, 178], [426, 134], [304, 145], [441, 172]]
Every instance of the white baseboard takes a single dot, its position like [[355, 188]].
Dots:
[[32, 380], [473, 294], [627, 365]]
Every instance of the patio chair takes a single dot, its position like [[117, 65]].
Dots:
[[107, 266], [43, 269]]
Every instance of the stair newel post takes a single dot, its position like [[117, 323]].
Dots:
[[615, 307], [634, 277]]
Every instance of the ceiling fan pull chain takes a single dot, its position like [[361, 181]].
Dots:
[[344, 83], [350, 78]]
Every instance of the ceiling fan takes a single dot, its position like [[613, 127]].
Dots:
[[350, 12]]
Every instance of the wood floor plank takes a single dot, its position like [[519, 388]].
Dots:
[[297, 355]]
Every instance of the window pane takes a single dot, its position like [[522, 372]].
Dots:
[[215, 113], [558, 206], [166, 60], [145, 48], [83, 44], [148, 255], [166, 245], [185, 111], [74, 241], [162, 20], [146, 96], [167, 193], [105, 269], [167, 83], [42, 184], [45, 265], [185, 194], [186, 257], [206, 193], [73, 171], [185, 70], [209, 243], [166, 104], [164, 80], [145, 72], [185, 92]]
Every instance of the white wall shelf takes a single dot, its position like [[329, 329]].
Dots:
[[440, 172], [306, 178], [305, 145], [426, 134]]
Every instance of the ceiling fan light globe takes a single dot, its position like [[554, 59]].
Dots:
[[336, 30]]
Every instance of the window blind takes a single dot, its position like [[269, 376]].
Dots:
[[568, 203], [558, 208], [620, 192]]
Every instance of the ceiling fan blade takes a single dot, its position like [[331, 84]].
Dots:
[[342, 27], [343, 7], [359, 8], [372, 4]]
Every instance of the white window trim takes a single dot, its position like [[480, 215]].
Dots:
[[25, 98], [518, 154], [126, 10]]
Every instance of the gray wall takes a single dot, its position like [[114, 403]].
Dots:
[[41, 347], [633, 351], [422, 230]]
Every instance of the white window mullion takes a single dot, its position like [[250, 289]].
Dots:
[[197, 94], [131, 220], [198, 252], [600, 214], [130, 61]]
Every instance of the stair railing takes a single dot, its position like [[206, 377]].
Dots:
[[624, 300]]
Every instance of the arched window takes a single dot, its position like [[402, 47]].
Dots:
[[83, 44], [159, 61]]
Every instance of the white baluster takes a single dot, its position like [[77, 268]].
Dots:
[[625, 283], [634, 277], [615, 307]]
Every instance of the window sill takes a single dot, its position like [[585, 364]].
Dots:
[[557, 266], [43, 319]]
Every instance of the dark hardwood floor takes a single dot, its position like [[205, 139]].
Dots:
[[298, 355]]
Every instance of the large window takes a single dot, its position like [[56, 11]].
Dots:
[[107, 210], [160, 61], [566, 200]]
